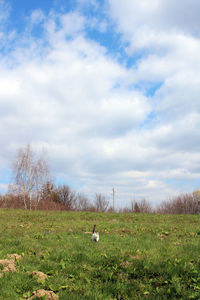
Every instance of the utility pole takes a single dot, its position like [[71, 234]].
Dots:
[[113, 195]]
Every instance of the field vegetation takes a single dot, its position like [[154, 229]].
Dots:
[[138, 256]]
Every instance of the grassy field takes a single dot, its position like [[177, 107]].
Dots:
[[139, 256]]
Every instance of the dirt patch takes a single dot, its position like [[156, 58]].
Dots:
[[9, 265], [39, 275], [41, 293]]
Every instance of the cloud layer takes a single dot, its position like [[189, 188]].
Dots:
[[104, 122]]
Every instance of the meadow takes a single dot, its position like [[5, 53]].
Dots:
[[138, 256]]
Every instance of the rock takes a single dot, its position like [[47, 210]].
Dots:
[[14, 257], [9, 264], [40, 275], [41, 293]]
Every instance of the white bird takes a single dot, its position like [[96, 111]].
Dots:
[[95, 235]]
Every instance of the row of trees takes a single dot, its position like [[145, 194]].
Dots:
[[63, 198], [182, 204], [32, 187], [71, 200], [56, 198]]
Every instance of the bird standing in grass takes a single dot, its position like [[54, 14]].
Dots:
[[95, 235]]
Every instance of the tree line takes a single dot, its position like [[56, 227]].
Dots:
[[32, 187]]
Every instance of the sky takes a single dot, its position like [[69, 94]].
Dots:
[[110, 90]]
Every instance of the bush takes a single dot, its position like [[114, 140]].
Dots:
[[183, 204]]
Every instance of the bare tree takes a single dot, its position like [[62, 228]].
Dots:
[[196, 199], [100, 203], [42, 177], [134, 207], [1, 200], [29, 176], [142, 206], [82, 202], [66, 196], [49, 192], [182, 204]]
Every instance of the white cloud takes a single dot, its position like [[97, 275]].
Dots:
[[72, 23], [63, 92], [5, 34], [88, 3], [67, 99], [160, 15], [37, 16], [4, 12], [163, 31]]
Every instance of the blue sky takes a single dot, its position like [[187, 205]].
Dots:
[[109, 89]]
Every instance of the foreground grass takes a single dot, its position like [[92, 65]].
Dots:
[[138, 256]]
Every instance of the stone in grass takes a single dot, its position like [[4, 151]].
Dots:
[[14, 257], [42, 293], [9, 264], [40, 276]]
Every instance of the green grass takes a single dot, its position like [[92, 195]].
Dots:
[[138, 256]]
